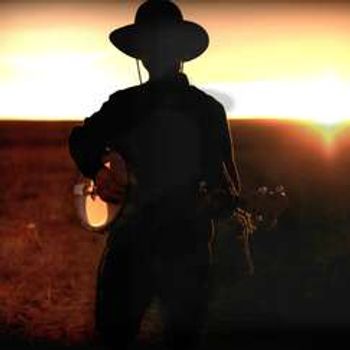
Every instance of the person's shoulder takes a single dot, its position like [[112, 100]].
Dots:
[[127, 93], [210, 101]]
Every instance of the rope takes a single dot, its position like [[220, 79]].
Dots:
[[139, 71]]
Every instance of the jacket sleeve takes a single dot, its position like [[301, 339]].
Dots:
[[88, 142], [222, 132], [226, 144], [226, 148]]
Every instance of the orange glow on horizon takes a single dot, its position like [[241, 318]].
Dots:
[[265, 60]]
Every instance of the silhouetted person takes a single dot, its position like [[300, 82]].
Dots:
[[173, 138]]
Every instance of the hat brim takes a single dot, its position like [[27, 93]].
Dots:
[[184, 40]]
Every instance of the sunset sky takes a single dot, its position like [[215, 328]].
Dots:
[[265, 59]]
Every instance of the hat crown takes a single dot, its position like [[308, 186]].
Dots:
[[158, 11], [159, 27]]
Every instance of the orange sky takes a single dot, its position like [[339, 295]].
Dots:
[[264, 59]]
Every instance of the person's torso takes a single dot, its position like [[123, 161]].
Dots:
[[164, 137]]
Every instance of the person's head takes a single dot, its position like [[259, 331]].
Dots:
[[161, 38], [159, 64]]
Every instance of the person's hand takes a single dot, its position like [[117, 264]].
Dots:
[[245, 223], [111, 180]]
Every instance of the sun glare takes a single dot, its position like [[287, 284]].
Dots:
[[329, 100], [57, 85], [322, 99]]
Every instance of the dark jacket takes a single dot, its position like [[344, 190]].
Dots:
[[171, 134]]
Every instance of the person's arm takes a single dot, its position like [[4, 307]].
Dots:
[[88, 142], [227, 147], [233, 178]]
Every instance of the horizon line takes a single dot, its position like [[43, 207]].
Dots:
[[303, 120]]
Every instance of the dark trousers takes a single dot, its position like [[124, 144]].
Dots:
[[160, 251]]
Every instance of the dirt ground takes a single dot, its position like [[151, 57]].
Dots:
[[48, 262]]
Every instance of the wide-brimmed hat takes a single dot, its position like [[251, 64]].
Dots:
[[159, 27]]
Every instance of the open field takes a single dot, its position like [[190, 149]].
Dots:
[[48, 262]]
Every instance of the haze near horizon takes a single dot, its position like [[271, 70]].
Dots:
[[265, 60]]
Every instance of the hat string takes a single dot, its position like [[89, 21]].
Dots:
[[139, 71], [181, 67]]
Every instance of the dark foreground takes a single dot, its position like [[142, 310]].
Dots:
[[299, 297]]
